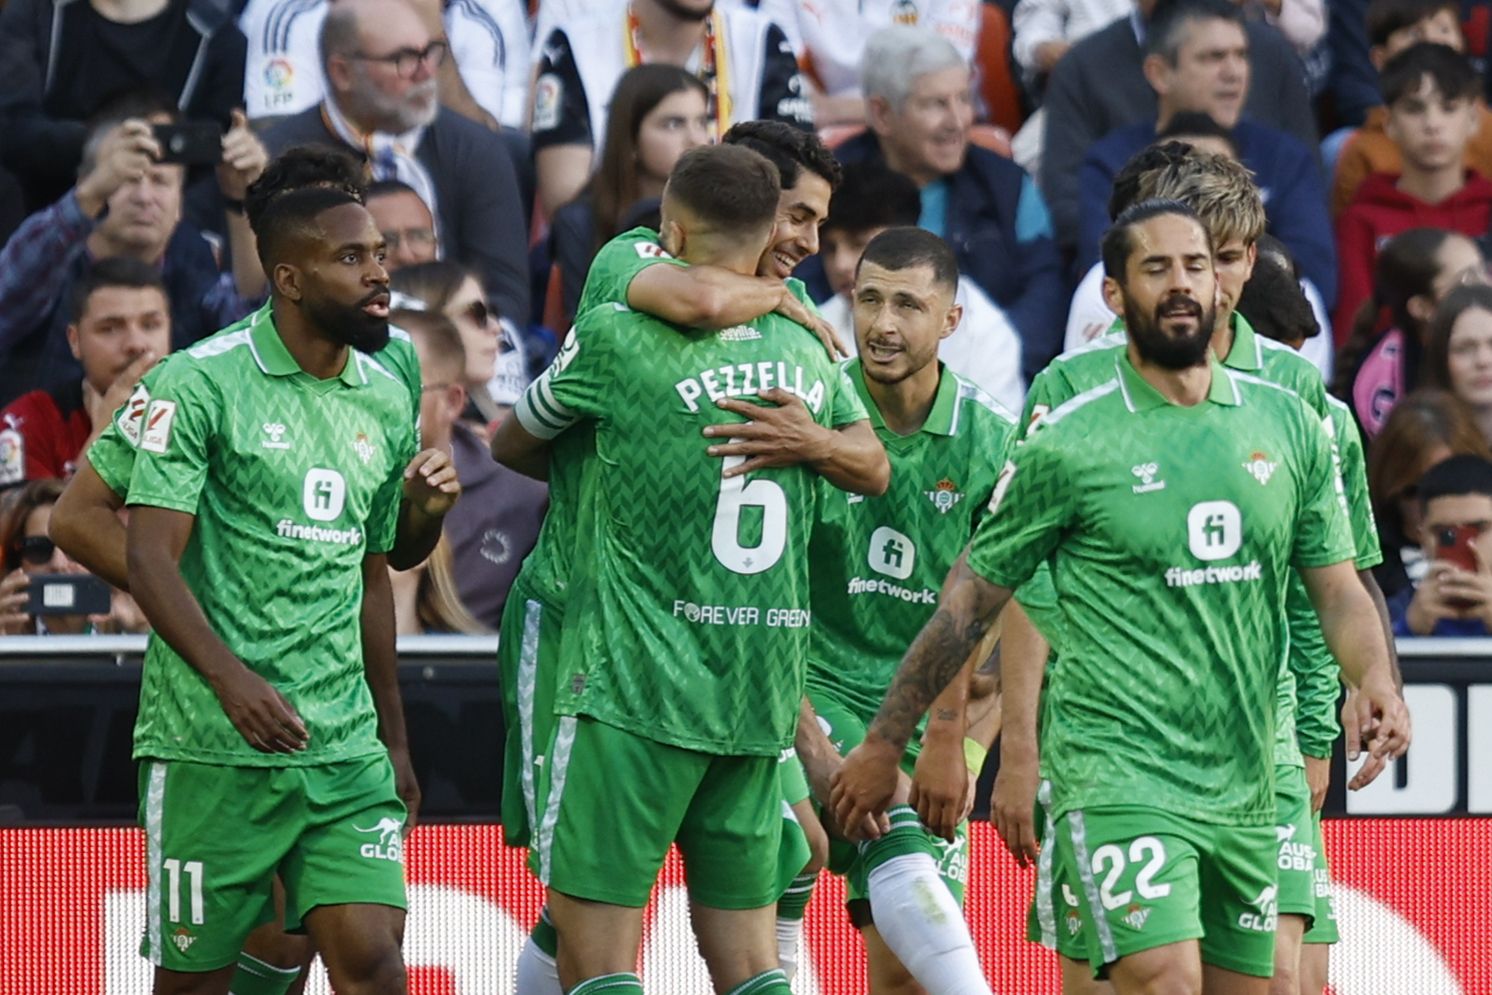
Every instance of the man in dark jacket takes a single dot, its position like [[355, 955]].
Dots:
[[1100, 85], [381, 101], [984, 205], [1198, 60], [63, 60]]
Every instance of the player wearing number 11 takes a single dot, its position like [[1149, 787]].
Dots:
[[682, 664], [1171, 590]]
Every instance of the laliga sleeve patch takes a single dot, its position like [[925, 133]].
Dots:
[[651, 250], [132, 416], [156, 435]]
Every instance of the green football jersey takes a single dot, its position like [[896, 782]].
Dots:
[[1171, 533], [879, 562], [293, 481], [112, 454], [689, 624], [546, 570], [1311, 725]]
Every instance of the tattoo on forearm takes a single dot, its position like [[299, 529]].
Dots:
[[933, 661]]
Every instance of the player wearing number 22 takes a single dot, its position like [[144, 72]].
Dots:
[[682, 664], [1172, 595]]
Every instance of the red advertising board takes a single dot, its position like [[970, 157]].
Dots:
[[1414, 898]]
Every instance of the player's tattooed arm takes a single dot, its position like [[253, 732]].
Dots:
[[381, 670], [968, 607], [156, 539], [942, 789]]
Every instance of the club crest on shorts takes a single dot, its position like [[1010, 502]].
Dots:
[[183, 938], [944, 495], [1134, 917]]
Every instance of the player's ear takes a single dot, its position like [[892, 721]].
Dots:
[[951, 318], [1113, 295], [72, 340], [287, 281]]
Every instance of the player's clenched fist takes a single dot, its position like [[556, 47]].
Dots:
[[864, 783]]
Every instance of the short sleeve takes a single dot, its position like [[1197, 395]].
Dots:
[[1322, 536], [1033, 504], [1353, 463], [562, 115], [846, 407], [618, 263], [578, 382], [1038, 596], [175, 440], [1048, 392]]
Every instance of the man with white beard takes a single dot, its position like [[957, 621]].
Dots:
[[381, 63]]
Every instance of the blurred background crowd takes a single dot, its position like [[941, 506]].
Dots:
[[504, 141]]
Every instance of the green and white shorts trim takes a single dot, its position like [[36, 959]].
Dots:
[[527, 653], [1056, 917], [215, 837], [1295, 835], [1324, 928], [1149, 878]]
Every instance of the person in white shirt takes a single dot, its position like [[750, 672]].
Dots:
[[488, 38], [983, 349], [829, 37], [743, 58]]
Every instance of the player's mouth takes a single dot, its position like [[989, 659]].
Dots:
[[377, 306], [882, 352]]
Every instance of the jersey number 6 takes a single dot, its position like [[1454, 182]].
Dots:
[[735, 495]]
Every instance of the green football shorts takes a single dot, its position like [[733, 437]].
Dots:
[[1295, 835], [1056, 917], [1148, 878], [846, 730], [1324, 928], [611, 802], [527, 650], [216, 836]]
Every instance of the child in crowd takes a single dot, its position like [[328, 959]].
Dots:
[[1455, 596], [1433, 99], [1393, 26]]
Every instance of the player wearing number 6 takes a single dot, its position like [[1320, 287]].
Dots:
[[1170, 555], [682, 664]]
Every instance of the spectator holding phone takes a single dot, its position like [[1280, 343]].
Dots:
[[29, 554], [1455, 596], [127, 202]]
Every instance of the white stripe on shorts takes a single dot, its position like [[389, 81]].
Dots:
[[528, 666], [1090, 887], [155, 803], [559, 766], [1046, 915]]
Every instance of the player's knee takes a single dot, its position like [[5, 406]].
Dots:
[[1158, 975], [376, 969], [1286, 980]]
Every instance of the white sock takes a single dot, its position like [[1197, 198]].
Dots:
[[537, 973], [789, 932], [922, 924]]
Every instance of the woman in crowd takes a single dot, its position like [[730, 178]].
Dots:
[[426, 600], [496, 372], [1424, 428], [1382, 359], [28, 553], [658, 112], [1459, 353]]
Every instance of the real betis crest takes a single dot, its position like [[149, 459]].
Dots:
[[944, 495], [1260, 466]]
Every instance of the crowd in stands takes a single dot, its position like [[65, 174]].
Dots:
[[500, 143]]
